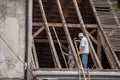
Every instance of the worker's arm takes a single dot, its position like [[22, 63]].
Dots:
[[66, 54]]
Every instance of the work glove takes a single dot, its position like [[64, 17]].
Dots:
[[79, 53]]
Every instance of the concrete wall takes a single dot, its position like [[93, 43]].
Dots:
[[12, 38]]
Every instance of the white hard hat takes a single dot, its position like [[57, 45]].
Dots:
[[80, 34]]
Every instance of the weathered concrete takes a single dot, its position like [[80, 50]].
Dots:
[[12, 38]]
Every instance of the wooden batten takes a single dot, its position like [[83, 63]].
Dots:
[[93, 31], [47, 41], [38, 31]]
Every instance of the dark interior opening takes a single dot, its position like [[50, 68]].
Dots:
[[104, 60]]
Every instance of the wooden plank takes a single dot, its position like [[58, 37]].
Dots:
[[93, 31], [106, 17], [55, 56], [114, 13], [68, 25], [116, 49], [38, 31], [110, 26], [112, 58], [114, 41], [101, 4]]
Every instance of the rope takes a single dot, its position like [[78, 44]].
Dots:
[[11, 48], [60, 46]]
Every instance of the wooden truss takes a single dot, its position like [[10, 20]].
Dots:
[[100, 41]]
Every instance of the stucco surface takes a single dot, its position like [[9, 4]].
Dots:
[[12, 38]]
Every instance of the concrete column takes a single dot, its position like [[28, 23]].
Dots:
[[12, 38]]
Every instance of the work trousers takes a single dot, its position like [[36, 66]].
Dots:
[[71, 62], [85, 59]]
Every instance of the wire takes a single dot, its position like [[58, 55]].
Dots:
[[11, 48], [14, 53]]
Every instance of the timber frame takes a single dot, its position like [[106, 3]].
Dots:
[[57, 22]]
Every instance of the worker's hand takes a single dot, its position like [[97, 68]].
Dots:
[[79, 53], [66, 54]]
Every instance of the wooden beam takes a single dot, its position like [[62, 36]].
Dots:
[[99, 48], [55, 41], [111, 55], [92, 38], [93, 53], [52, 46], [38, 31], [68, 25], [67, 33], [78, 62], [93, 31], [46, 41]]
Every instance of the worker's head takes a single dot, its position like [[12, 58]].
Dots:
[[80, 35]]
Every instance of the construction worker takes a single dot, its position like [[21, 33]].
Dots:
[[71, 62], [84, 49]]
